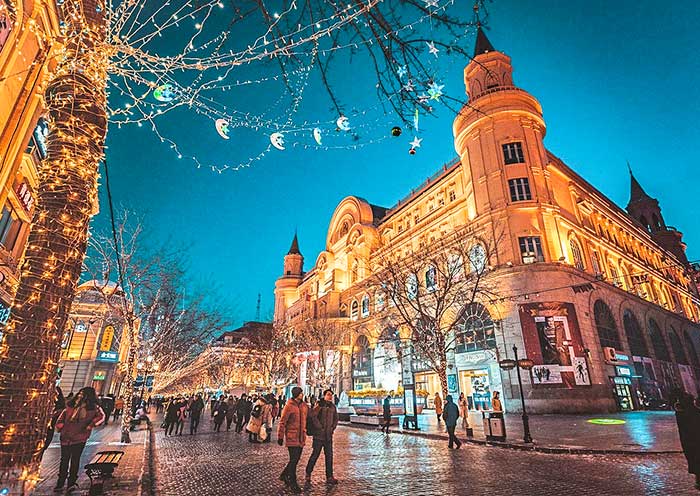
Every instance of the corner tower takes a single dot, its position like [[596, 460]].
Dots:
[[499, 138], [287, 285]]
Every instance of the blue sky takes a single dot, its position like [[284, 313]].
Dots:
[[618, 81]]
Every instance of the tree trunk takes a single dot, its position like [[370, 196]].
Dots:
[[31, 346], [442, 375]]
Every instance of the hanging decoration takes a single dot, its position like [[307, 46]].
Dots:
[[222, 128], [317, 136], [396, 131], [277, 140], [343, 123]]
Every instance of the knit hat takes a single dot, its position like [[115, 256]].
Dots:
[[296, 391]]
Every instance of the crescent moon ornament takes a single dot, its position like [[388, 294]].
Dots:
[[164, 93], [317, 136], [277, 140], [343, 123], [222, 127]]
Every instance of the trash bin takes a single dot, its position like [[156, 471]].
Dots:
[[494, 425]]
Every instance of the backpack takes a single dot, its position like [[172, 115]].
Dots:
[[256, 412]]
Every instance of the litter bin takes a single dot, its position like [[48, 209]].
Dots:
[[494, 425]]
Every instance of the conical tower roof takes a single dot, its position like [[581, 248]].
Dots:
[[483, 45], [294, 249], [637, 193]]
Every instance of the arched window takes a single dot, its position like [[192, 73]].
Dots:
[[475, 329], [455, 267], [607, 328], [365, 306], [431, 279], [595, 263], [354, 310], [379, 301], [411, 286], [657, 342], [477, 258], [692, 352], [362, 358], [677, 347], [635, 338], [576, 255]]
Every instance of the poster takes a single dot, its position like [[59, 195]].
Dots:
[[581, 375], [107, 337], [546, 374], [408, 402]]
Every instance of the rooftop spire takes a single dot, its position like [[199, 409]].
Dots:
[[294, 249], [483, 45], [637, 193]]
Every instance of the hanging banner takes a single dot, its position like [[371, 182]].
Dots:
[[107, 337]]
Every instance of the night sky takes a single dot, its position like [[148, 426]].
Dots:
[[618, 81]]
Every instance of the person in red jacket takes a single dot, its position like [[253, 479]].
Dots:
[[75, 423], [292, 431]]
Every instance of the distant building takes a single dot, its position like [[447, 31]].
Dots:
[[610, 290], [94, 348]]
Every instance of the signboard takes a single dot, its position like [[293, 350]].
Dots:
[[622, 380], [99, 375], [107, 337], [581, 375], [623, 371], [452, 383], [80, 327], [108, 356], [408, 402]]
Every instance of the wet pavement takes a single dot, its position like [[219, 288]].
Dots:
[[369, 462]]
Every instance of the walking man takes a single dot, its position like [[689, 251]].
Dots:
[[386, 414], [450, 416], [196, 409], [292, 431], [325, 421], [241, 412]]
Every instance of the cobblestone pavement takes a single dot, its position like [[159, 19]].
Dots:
[[372, 463]]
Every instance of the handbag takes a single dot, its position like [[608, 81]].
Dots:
[[263, 433]]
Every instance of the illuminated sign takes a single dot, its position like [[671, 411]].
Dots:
[[622, 357], [360, 373], [623, 371], [107, 337], [99, 375], [25, 196], [80, 327], [108, 356], [622, 380]]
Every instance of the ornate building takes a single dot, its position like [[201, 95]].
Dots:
[[603, 300], [25, 57]]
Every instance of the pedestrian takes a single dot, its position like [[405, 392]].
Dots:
[[255, 424], [220, 411], [181, 415], [464, 410], [107, 405], [196, 408], [241, 412], [438, 406], [213, 405], [275, 406], [171, 416], [292, 432], [496, 402], [386, 414], [75, 423], [688, 421], [230, 412], [268, 418], [58, 405], [280, 402], [118, 407], [451, 414], [325, 417]]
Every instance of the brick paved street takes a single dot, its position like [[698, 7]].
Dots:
[[371, 463]]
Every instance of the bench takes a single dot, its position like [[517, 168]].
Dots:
[[101, 468], [372, 420]]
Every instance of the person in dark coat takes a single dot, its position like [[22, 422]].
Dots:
[[220, 413], [386, 414], [196, 409], [58, 407], [688, 421], [172, 413], [241, 412], [230, 412], [450, 415], [325, 419]]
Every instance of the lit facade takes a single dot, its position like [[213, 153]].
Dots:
[[603, 300]]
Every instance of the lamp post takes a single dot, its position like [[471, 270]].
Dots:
[[146, 368], [518, 364]]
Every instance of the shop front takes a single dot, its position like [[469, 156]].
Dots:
[[622, 387], [362, 366], [479, 376]]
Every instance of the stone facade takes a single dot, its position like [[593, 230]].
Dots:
[[602, 300]]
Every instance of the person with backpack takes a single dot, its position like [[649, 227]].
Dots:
[[325, 420], [292, 432], [75, 423], [196, 408]]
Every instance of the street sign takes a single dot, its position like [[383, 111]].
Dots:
[[108, 356], [526, 363], [507, 364]]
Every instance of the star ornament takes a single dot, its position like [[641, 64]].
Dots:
[[408, 87], [431, 3], [416, 142], [435, 91], [432, 49], [401, 71]]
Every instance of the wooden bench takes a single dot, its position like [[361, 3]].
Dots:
[[101, 468]]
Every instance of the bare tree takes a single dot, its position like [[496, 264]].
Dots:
[[321, 340], [270, 355], [431, 292]]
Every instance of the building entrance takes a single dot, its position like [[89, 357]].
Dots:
[[476, 386]]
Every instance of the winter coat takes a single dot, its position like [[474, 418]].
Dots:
[[181, 411], [496, 405], [172, 412], [196, 408], [327, 416], [292, 427], [265, 418], [220, 411], [451, 414], [231, 411], [386, 409], [688, 420], [76, 424], [438, 405]]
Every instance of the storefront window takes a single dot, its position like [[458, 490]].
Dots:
[[362, 363], [475, 329], [607, 328]]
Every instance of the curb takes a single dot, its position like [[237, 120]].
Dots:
[[147, 477], [524, 447]]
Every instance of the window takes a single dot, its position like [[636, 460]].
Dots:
[[477, 259], [677, 347], [635, 338], [595, 263], [519, 189], [411, 286], [657, 342], [354, 271], [379, 302], [614, 277], [452, 195], [531, 249], [513, 153], [441, 201], [10, 226], [475, 330], [455, 266], [354, 310], [692, 351], [607, 328], [431, 279], [5, 27], [365, 306], [576, 254]]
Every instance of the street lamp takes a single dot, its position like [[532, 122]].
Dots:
[[518, 364], [146, 368]]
